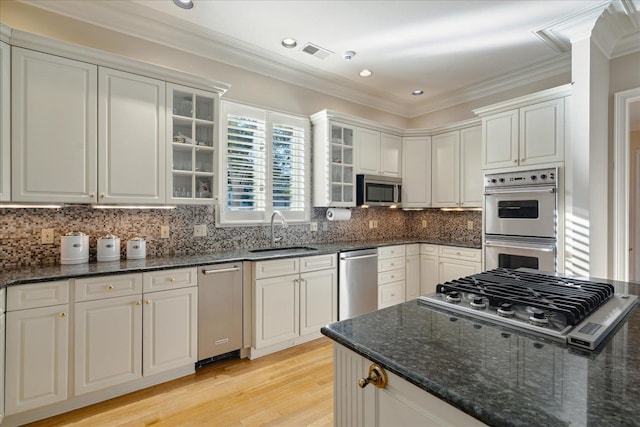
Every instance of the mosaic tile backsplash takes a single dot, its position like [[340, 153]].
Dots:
[[20, 230]]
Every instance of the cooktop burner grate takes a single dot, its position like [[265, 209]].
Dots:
[[573, 299]]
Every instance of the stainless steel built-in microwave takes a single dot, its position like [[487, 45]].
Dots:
[[374, 190]]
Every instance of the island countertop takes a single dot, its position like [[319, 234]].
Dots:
[[500, 376]]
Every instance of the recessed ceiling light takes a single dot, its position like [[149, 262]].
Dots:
[[417, 92], [366, 73], [185, 4], [289, 43]]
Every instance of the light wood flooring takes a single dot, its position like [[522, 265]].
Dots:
[[293, 387]]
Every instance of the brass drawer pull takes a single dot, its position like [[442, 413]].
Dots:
[[377, 376]]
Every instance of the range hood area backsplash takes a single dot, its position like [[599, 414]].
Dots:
[[20, 230]]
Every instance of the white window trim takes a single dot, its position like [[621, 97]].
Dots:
[[226, 218]]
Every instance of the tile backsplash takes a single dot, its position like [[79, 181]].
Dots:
[[20, 230]]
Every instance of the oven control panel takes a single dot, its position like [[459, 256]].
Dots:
[[546, 176]]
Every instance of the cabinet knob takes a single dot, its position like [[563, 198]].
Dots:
[[110, 287], [457, 253], [515, 161], [523, 159], [92, 195], [102, 195], [172, 279], [148, 302], [377, 376], [138, 303], [63, 314]]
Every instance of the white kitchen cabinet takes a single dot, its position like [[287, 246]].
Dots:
[[455, 262], [54, 128], [412, 272], [399, 403], [416, 172], [5, 123], [379, 153], [108, 342], [428, 268], [170, 334], [333, 162], [530, 135], [293, 298], [445, 169], [131, 141], [391, 275], [191, 153], [471, 167], [37, 346]]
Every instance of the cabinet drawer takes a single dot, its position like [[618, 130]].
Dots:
[[390, 294], [390, 251], [428, 249], [275, 268], [169, 279], [390, 264], [108, 286], [412, 249], [319, 262], [460, 253], [37, 295], [390, 276]]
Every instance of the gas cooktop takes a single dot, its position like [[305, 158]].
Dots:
[[579, 312]]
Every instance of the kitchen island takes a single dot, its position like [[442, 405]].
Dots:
[[498, 376]]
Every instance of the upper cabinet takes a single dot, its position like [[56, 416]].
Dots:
[[191, 129], [525, 131], [131, 150], [379, 153], [416, 172], [470, 167], [54, 128], [333, 156], [5, 121]]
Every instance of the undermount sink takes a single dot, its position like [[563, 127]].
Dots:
[[284, 249]]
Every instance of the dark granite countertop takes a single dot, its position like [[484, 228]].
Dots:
[[499, 376], [60, 272]]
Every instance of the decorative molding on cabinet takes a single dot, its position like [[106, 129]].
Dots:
[[544, 95], [5, 32], [443, 129]]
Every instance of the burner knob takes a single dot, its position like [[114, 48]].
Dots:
[[505, 306], [543, 176], [506, 310], [453, 296], [478, 303], [533, 177], [539, 314]]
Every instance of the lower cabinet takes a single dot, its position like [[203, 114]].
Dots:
[[412, 272], [391, 275], [398, 404], [428, 268], [37, 346], [291, 308], [455, 262]]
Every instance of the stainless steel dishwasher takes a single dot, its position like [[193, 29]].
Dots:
[[357, 283], [219, 310]]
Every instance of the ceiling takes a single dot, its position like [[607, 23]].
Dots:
[[454, 51]]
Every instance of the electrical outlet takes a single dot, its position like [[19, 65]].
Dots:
[[375, 223], [370, 223], [325, 226], [47, 235], [313, 226], [469, 225], [164, 231], [424, 223], [200, 230]]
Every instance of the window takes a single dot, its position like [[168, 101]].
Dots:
[[265, 166]]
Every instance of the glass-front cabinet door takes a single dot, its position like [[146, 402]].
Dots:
[[191, 157], [342, 168]]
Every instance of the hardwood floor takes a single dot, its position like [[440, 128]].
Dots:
[[293, 387]]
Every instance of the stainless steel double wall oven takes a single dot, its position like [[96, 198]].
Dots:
[[520, 214]]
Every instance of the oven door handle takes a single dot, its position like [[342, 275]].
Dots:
[[489, 192], [519, 245]]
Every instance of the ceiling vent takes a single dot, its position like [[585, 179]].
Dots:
[[316, 51]]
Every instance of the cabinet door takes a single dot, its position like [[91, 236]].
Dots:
[[37, 358], [416, 172], [445, 167], [277, 310], [412, 277], [318, 300], [131, 141], [368, 152], [471, 167], [542, 132], [54, 128], [500, 140], [390, 155], [170, 330], [428, 274], [451, 269], [108, 343], [5, 122]]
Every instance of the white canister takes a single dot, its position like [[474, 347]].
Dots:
[[109, 248], [136, 248], [74, 248]]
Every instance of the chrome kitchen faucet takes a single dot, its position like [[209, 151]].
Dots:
[[275, 240]]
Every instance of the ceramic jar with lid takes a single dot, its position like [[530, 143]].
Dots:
[[109, 248], [74, 248], [136, 248]]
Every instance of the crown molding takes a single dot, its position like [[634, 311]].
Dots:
[[5, 33], [542, 96]]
